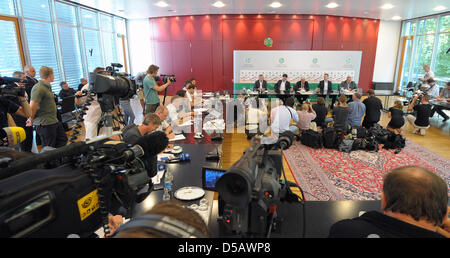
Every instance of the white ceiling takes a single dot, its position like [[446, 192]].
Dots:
[[138, 9]]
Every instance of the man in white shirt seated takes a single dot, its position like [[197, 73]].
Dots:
[[162, 112], [283, 84], [428, 74], [175, 117], [433, 91], [281, 117]]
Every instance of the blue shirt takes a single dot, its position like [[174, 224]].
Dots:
[[357, 111]]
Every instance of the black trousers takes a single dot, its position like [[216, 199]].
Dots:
[[439, 109], [26, 145], [52, 135]]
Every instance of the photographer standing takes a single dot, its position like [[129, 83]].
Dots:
[[20, 120], [44, 112], [151, 89]]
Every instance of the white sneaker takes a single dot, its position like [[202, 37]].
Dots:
[[423, 132], [416, 130]]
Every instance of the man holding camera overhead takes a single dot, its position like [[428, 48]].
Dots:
[[151, 89]]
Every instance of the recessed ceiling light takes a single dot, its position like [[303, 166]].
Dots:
[[396, 18], [439, 8], [161, 4], [387, 6], [332, 5], [171, 10], [275, 5], [218, 4]]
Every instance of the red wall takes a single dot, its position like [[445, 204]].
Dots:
[[205, 43]]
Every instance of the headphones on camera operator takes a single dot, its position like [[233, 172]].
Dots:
[[164, 225]]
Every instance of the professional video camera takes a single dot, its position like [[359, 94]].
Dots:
[[250, 190], [165, 77], [76, 195], [9, 89]]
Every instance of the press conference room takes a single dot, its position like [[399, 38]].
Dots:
[[224, 119]]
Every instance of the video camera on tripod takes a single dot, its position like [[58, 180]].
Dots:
[[76, 194], [250, 190]]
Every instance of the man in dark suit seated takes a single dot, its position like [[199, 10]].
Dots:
[[301, 85], [260, 84], [349, 85], [282, 85], [326, 88]]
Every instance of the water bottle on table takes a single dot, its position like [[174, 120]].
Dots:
[[168, 180]]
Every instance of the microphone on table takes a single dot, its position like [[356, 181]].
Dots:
[[11, 136], [183, 157]]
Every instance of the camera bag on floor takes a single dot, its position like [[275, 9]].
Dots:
[[360, 131], [331, 138], [311, 139], [395, 141]]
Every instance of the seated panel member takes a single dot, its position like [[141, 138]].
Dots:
[[348, 85], [326, 88], [302, 85], [260, 84], [283, 84]]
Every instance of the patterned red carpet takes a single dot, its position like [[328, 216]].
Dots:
[[327, 174]]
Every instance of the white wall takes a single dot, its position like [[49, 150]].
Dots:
[[139, 45], [387, 50]]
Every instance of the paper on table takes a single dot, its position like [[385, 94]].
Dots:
[[177, 138]]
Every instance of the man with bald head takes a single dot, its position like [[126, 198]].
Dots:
[[162, 112], [414, 202], [299, 86], [30, 73]]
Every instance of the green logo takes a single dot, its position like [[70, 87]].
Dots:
[[248, 60], [281, 60], [315, 60], [268, 42], [348, 60]]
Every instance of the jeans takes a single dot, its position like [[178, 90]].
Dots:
[[128, 115]]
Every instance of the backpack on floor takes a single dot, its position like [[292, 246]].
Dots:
[[331, 138], [360, 131], [369, 144], [346, 145], [381, 134], [394, 141], [311, 139]]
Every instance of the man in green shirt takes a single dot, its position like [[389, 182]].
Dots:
[[151, 89], [43, 111]]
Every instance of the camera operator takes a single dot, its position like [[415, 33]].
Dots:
[[20, 120], [8, 106], [44, 112], [151, 89], [94, 112], [422, 120]]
